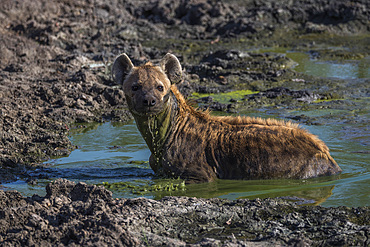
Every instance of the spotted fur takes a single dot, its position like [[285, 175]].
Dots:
[[192, 144]]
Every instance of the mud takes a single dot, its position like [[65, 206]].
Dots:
[[55, 70], [87, 215]]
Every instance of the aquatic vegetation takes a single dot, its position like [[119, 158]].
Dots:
[[137, 188], [225, 97]]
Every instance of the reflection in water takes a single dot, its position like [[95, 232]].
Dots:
[[308, 192], [116, 155]]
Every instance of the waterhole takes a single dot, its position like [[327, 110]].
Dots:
[[116, 156]]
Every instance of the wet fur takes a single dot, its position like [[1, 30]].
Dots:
[[194, 145], [206, 147]]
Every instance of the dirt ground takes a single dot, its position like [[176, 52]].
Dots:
[[86, 215], [54, 71]]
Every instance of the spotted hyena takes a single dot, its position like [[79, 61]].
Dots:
[[194, 145]]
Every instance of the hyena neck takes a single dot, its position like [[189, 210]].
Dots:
[[156, 129]]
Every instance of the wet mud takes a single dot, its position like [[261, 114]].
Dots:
[[55, 71], [87, 215]]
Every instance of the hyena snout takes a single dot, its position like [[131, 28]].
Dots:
[[149, 101]]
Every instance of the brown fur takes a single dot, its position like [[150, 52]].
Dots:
[[197, 146]]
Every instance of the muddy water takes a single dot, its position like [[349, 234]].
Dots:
[[338, 69], [310, 63], [115, 155]]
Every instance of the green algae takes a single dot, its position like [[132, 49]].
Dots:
[[324, 100], [143, 188], [225, 97]]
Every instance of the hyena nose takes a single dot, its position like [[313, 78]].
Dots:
[[150, 102]]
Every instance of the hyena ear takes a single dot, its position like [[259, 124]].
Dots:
[[172, 67], [121, 68]]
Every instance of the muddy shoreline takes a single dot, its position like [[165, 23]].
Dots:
[[54, 72], [87, 215]]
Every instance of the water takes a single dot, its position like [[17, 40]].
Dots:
[[115, 154], [341, 69], [331, 69]]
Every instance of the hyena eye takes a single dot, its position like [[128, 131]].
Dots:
[[160, 88], [135, 88]]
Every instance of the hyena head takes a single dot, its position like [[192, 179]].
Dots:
[[147, 87]]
